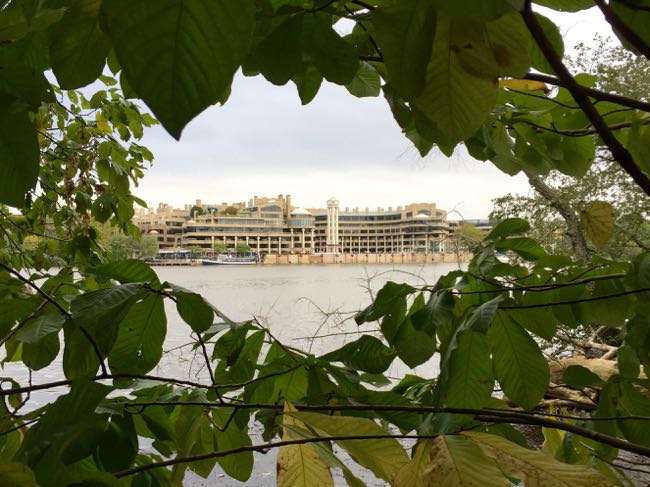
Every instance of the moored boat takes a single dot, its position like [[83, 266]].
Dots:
[[225, 259]]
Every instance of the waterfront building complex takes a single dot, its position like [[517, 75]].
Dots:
[[275, 226]]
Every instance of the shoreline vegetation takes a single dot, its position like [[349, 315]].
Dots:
[[340, 258]]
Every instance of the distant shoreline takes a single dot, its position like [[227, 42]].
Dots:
[[325, 258]]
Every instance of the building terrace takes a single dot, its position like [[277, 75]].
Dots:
[[275, 226]]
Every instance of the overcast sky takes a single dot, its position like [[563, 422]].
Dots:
[[263, 142]]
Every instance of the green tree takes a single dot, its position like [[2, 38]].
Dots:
[[555, 207], [196, 210], [231, 211], [243, 249], [467, 237], [147, 247], [66, 160]]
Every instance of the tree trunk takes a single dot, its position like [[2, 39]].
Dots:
[[574, 228]]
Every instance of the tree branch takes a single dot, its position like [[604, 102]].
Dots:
[[620, 153], [574, 228], [623, 29], [488, 415], [580, 300], [593, 93], [260, 447], [585, 343]]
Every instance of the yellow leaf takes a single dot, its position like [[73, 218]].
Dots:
[[597, 219], [455, 461], [524, 84], [102, 123], [536, 468], [385, 456], [411, 474], [300, 465]]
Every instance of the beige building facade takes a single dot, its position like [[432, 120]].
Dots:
[[276, 226]]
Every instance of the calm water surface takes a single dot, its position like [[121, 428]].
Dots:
[[295, 302], [308, 307]]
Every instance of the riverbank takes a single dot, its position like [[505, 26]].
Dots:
[[306, 259], [387, 258]]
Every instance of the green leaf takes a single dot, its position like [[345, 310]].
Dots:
[[128, 270], [365, 83], [438, 310], [79, 47], [194, 310], [36, 329], [482, 317], [519, 365], [118, 445], [82, 439], [457, 461], [25, 83], [577, 155], [386, 298], [384, 457], [240, 465], [67, 410], [299, 465], [635, 19], [100, 312], [639, 274], [525, 247], [16, 474], [469, 380], [413, 346], [482, 11], [14, 24], [335, 59], [628, 362], [79, 358], [91, 308], [278, 56], [566, 5], [535, 467], [19, 157], [140, 338], [597, 219], [308, 84], [632, 403], [367, 353], [456, 101], [508, 227], [39, 355], [579, 376], [404, 31], [505, 36], [179, 57], [537, 58]]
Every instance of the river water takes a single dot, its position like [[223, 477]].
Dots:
[[305, 306]]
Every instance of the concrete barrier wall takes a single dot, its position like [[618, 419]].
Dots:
[[396, 258]]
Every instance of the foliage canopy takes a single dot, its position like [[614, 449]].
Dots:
[[475, 72]]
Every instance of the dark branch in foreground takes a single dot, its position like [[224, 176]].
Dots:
[[623, 29], [593, 93], [581, 97], [622, 444], [484, 415], [260, 447]]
